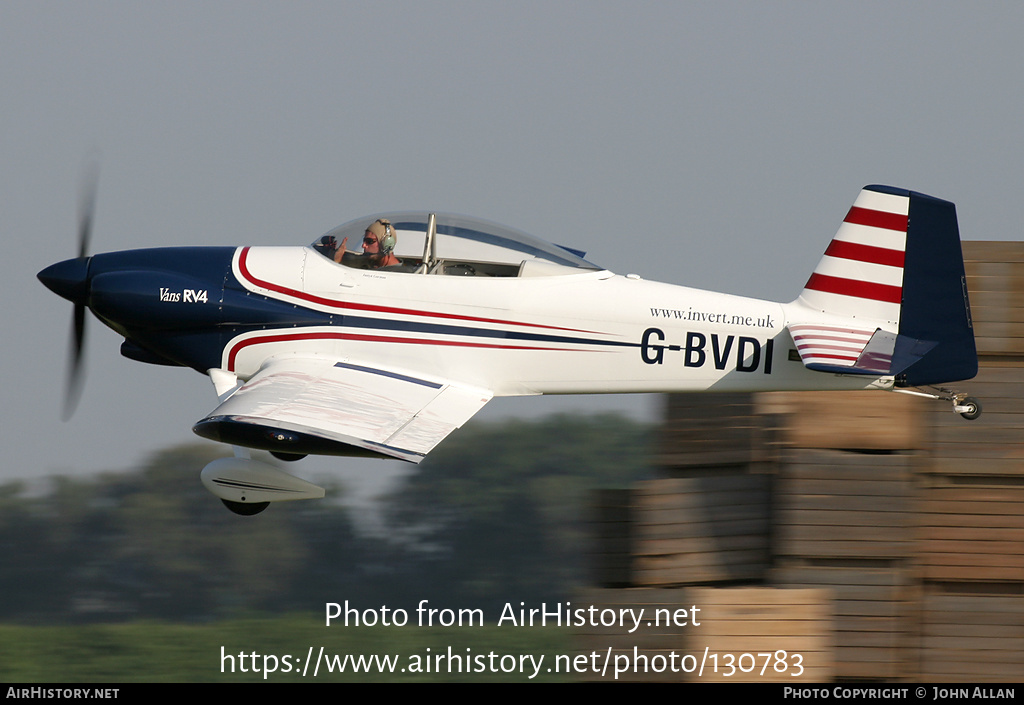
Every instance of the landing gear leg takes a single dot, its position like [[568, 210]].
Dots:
[[968, 407]]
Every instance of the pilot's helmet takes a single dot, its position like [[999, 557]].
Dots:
[[385, 233]]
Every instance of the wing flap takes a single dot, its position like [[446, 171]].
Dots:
[[316, 402]]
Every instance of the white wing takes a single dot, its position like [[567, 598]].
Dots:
[[320, 405]]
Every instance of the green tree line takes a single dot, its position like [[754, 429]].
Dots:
[[497, 513]]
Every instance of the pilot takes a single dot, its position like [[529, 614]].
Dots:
[[378, 248]]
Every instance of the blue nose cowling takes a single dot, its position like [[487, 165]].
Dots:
[[68, 279]]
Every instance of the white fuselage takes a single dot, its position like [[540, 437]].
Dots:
[[560, 333]]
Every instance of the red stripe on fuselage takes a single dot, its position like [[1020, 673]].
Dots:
[[333, 303], [853, 287], [876, 219]]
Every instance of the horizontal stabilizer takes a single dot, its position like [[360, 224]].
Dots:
[[851, 351]]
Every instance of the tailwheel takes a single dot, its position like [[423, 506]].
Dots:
[[968, 407]]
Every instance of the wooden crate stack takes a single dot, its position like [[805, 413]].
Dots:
[[971, 512], [971, 637], [902, 517], [742, 625], [702, 432], [639, 655], [698, 530], [706, 521], [843, 516], [738, 634]]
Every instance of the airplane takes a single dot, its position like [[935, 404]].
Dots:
[[321, 350]]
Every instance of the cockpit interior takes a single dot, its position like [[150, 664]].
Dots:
[[455, 245]]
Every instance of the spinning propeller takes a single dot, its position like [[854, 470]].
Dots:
[[70, 279]]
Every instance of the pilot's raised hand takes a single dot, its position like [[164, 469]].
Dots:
[[340, 252]]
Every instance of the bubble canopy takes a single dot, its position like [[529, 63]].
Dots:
[[458, 240]]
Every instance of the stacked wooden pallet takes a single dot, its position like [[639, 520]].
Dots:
[[843, 516], [995, 280], [971, 532], [709, 432], [971, 636], [871, 610], [700, 530], [754, 634], [742, 626], [863, 422], [833, 504], [971, 513], [707, 520], [625, 652], [910, 518]]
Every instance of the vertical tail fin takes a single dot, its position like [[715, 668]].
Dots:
[[861, 274], [895, 265]]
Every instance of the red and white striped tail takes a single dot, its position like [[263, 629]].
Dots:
[[861, 274]]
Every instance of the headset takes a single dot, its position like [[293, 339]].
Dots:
[[388, 242]]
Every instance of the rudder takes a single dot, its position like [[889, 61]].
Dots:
[[936, 306]]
